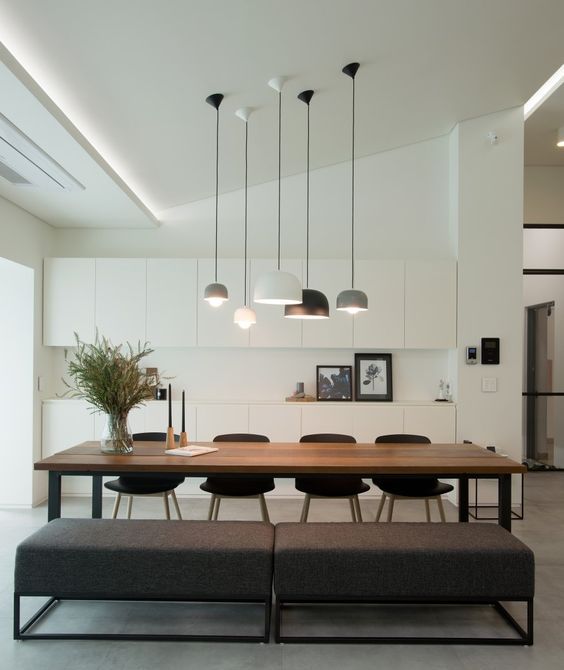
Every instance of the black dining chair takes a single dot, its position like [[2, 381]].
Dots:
[[238, 487], [137, 484], [413, 488], [331, 486]]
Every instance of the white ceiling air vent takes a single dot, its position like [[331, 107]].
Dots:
[[23, 163]]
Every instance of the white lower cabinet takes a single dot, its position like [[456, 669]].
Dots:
[[373, 419], [327, 418], [219, 419], [437, 422], [280, 423]]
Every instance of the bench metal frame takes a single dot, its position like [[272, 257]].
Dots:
[[525, 637], [21, 631]]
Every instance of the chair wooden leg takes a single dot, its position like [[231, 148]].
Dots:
[[358, 510], [380, 507], [391, 507], [427, 510], [166, 507], [352, 508], [263, 508], [305, 508], [116, 506], [129, 506], [176, 506], [211, 507], [216, 510], [441, 508]]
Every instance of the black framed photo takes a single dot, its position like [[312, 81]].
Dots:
[[373, 375], [334, 382]]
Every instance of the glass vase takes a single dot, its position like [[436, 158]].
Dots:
[[116, 436]]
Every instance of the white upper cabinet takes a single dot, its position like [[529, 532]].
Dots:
[[215, 324], [271, 328], [68, 301], [121, 296], [330, 277], [382, 326], [172, 291], [430, 304]]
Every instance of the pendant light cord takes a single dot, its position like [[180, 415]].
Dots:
[[352, 186], [279, 166], [216, 187], [307, 202], [246, 171]]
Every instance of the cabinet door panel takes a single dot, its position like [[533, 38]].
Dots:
[[172, 288], [430, 304], [68, 301], [376, 419], [215, 324], [382, 326], [271, 328], [278, 423], [331, 277], [437, 423], [330, 418], [121, 297], [215, 420]]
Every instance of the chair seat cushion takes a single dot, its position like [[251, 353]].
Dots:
[[417, 487], [143, 485], [331, 487], [238, 487]]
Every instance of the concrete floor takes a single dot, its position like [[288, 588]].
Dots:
[[542, 530]]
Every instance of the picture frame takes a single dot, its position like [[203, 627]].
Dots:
[[373, 377], [334, 383]]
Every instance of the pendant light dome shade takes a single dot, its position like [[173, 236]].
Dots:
[[244, 317], [277, 287], [216, 294], [314, 305], [352, 301]]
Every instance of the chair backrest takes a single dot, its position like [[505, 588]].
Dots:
[[241, 437], [403, 438], [327, 437], [152, 437]]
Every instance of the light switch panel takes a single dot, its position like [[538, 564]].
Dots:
[[489, 384]]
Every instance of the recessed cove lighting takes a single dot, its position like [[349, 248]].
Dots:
[[544, 92], [560, 140]]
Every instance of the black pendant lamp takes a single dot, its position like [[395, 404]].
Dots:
[[314, 304], [352, 300], [216, 294]]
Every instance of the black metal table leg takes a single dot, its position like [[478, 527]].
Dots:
[[54, 496], [96, 496], [463, 515], [504, 501]]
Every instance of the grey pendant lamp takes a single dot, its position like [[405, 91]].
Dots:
[[216, 294], [245, 316], [352, 300], [277, 287], [314, 304]]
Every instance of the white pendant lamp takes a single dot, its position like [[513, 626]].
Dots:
[[352, 300], [216, 294], [314, 303], [245, 317], [277, 287]]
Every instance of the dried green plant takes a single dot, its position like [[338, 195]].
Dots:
[[109, 376]]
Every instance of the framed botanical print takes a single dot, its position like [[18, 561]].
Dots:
[[334, 382], [373, 377]]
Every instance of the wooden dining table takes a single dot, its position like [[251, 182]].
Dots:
[[287, 459]]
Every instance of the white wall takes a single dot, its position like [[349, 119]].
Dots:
[[489, 191], [544, 194], [25, 239]]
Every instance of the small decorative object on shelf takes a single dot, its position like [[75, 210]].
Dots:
[[444, 394], [160, 394], [334, 382], [111, 380], [299, 394]]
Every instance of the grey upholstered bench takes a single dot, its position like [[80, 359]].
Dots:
[[111, 559], [453, 563]]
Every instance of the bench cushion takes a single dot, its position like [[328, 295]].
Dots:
[[331, 561], [123, 558]]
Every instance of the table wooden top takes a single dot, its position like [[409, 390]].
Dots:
[[288, 459]]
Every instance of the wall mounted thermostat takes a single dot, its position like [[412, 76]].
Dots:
[[471, 355], [490, 350]]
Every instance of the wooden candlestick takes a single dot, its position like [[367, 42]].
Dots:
[[170, 430], [183, 435]]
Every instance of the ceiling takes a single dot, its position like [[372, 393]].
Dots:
[[132, 77], [540, 132]]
